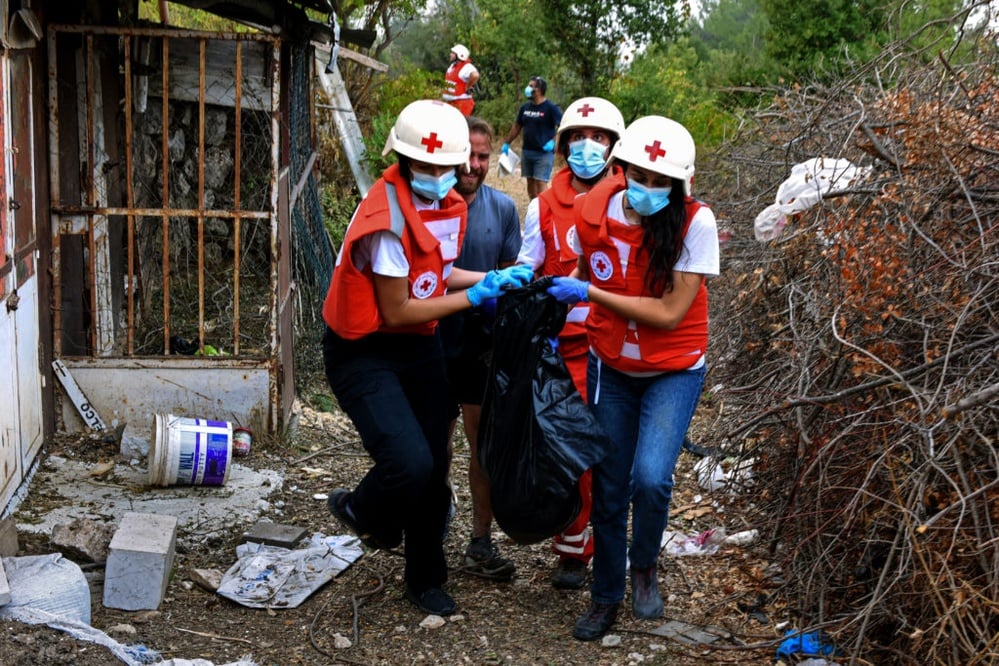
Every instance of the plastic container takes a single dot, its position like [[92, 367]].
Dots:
[[189, 452], [242, 438]]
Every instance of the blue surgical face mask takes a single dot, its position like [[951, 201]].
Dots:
[[430, 187], [586, 158], [647, 200], [528, 91]]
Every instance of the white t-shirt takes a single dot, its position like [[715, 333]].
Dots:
[[384, 251], [700, 246]]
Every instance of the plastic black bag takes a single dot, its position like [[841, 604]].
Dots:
[[537, 435]]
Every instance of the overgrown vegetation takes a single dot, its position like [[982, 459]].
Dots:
[[856, 355]]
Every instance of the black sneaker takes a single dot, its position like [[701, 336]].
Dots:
[[569, 575], [595, 622], [433, 600], [337, 503], [482, 558]]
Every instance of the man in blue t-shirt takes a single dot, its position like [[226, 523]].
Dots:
[[492, 240], [539, 119]]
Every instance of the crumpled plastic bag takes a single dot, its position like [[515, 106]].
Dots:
[[274, 577], [808, 183]]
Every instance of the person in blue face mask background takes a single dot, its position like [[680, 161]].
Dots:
[[394, 279], [589, 128], [646, 250], [539, 119]]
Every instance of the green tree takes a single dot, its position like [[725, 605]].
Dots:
[[593, 35], [729, 37]]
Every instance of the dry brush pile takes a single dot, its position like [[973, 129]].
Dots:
[[856, 356]]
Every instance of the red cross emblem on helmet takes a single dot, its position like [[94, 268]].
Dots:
[[433, 143], [655, 151]]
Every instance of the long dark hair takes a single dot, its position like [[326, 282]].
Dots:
[[662, 239]]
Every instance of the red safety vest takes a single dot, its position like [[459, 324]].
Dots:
[[453, 85], [351, 306], [624, 345], [557, 226]]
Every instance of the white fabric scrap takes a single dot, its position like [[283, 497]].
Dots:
[[808, 183], [274, 577]]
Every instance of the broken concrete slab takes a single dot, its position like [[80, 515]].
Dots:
[[691, 634], [207, 579], [201, 511], [8, 537], [83, 540], [4, 586]]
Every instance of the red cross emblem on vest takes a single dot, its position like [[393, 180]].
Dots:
[[586, 110], [433, 143], [602, 267], [655, 151], [426, 284]]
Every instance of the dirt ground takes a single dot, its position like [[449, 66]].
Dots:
[[361, 616]]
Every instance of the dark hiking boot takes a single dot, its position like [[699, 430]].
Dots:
[[337, 503], [646, 604], [569, 575], [483, 559], [595, 622], [433, 600]]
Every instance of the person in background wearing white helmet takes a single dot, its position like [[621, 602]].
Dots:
[[539, 119], [646, 248], [459, 79], [590, 127], [393, 280], [492, 240]]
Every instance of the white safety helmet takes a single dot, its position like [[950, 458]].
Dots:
[[461, 51], [591, 112], [661, 145], [430, 131]]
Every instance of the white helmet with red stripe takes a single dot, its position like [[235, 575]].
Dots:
[[430, 131], [660, 145]]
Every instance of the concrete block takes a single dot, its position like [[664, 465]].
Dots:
[[4, 586], [139, 561]]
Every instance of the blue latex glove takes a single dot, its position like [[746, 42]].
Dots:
[[517, 275], [569, 290], [505, 149], [488, 287], [549, 147]]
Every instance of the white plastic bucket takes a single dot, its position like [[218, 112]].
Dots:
[[189, 452]]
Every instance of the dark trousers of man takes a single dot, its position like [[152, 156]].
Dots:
[[394, 389]]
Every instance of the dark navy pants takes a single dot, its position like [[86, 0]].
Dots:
[[394, 389]]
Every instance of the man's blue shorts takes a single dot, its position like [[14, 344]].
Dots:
[[537, 164]]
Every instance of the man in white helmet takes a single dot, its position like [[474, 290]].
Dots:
[[459, 79], [394, 279]]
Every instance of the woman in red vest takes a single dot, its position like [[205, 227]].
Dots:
[[381, 349], [590, 127], [646, 250]]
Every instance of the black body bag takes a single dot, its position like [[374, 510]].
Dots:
[[537, 435]]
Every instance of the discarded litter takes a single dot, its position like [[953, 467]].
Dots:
[[808, 183], [713, 474], [810, 644], [707, 542], [273, 577], [189, 452]]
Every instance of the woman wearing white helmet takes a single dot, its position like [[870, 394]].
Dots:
[[646, 249], [381, 349], [590, 127]]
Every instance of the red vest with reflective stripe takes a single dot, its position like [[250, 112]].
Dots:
[[625, 345], [557, 225], [351, 307], [453, 85]]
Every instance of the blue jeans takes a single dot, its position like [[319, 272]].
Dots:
[[394, 389], [646, 419], [537, 164]]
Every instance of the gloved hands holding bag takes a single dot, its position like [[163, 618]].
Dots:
[[495, 281], [569, 290]]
